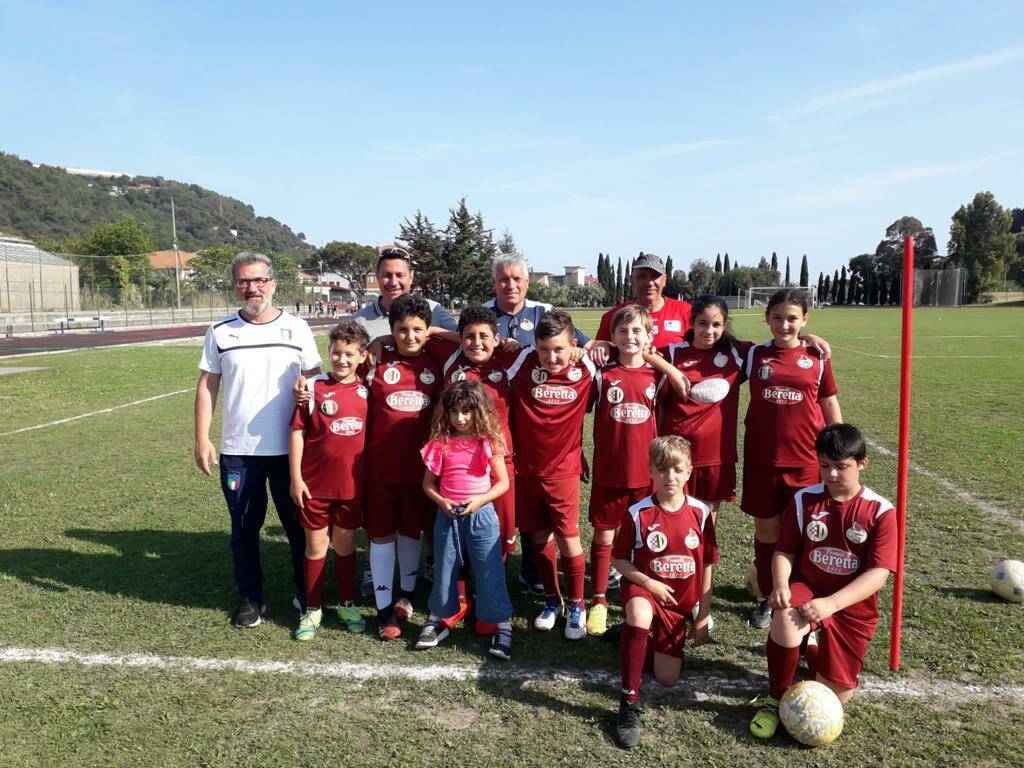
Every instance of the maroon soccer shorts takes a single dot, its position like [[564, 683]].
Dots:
[[767, 490], [842, 640], [548, 502], [341, 513], [711, 484], [505, 506], [668, 627], [392, 508], [608, 505]]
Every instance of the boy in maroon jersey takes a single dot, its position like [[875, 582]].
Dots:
[[835, 551], [666, 551], [550, 395], [404, 384], [624, 425], [326, 460]]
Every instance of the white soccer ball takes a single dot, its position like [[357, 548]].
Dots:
[[1007, 580], [750, 582], [811, 713]]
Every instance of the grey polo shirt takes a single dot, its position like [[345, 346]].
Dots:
[[374, 318]]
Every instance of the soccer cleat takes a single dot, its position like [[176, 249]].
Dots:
[[614, 579], [249, 613], [576, 622], [766, 721], [501, 643], [433, 632], [534, 587], [597, 619], [309, 624], [711, 623], [545, 620], [366, 585], [389, 630], [761, 616], [351, 618], [403, 609], [627, 725]]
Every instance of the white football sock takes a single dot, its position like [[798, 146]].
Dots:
[[382, 566], [408, 562]]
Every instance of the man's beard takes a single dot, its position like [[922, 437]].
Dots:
[[257, 306]]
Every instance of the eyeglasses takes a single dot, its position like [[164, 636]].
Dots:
[[245, 282], [395, 253]]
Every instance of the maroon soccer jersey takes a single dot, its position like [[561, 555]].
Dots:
[[784, 418], [833, 542], [403, 391], [547, 415], [334, 420], [494, 379], [624, 425], [670, 322], [672, 547], [708, 417]]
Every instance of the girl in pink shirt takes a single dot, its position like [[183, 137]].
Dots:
[[465, 473]]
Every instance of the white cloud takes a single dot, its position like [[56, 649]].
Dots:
[[685, 148]]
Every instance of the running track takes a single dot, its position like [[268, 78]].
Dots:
[[61, 342]]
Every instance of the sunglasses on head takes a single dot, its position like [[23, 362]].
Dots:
[[395, 253]]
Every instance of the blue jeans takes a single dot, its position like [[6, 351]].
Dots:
[[475, 537], [244, 481]]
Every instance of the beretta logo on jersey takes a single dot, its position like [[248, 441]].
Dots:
[[348, 426], [710, 390], [780, 395], [630, 413], [328, 407], [674, 566], [407, 400], [835, 560], [553, 394]]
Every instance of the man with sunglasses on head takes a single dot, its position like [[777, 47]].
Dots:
[[394, 276], [254, 355]]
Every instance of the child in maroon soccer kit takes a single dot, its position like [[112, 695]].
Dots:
[[792, 396], [835, 551], [665, 550], [404, 384], [326, 461], [550, 395]]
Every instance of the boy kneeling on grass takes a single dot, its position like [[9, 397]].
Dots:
[[665, 550], [836, 548]]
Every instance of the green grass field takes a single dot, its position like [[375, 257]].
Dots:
[[114, 544]]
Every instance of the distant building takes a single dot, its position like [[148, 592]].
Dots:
[[575, 276], [34, 279], [165, 260], [542, 278]]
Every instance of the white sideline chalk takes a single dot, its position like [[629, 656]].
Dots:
[[97, 413]]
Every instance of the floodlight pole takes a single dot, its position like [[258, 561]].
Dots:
[[177, 256], [903, 458]]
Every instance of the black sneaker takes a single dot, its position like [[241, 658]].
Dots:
[[249, 613], [433, 632], [627, 725], [501, 643], [531, 584], [761, 616]]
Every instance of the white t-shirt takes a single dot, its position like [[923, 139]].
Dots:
[[258, 363]]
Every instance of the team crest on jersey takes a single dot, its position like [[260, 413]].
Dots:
[[362, 391], [692, 540], [765, 372], [459, 375], [674, 566], [780, 395], [407, 401], [494, 376], [856, 533], [721, 359], [651, 391], [427, 377], [673, 325], [348, 426], [553, 394], [657, 541], [836, 561], [615, 394], [328, 407], [630, 413], [286, 334], [539, 375], [817, 530], [527, 324], [575, 374], [804, 362], [392, 376]]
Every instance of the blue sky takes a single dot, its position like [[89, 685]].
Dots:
[[580, 127]]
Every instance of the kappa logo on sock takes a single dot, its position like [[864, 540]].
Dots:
[[382, 588]]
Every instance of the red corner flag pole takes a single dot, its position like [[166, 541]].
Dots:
[[904, 451]]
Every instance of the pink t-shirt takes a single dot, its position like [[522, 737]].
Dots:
[[463, 464]]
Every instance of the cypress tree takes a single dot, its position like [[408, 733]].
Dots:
[[821, 286], [804, 276], [725, 264], [788, 282], [775, 262], [841, 298], [718, 264], [617, 287], [835, 287]]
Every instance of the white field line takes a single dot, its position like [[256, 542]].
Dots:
[[696, 684], [999, 513], [924, 357], [97, 413]]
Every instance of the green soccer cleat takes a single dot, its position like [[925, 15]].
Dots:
[[309, 624], [766, 721], [351, 618]]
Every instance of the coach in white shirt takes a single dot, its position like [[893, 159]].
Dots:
[[254, 355]]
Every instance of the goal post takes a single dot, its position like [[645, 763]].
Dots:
[[758, 296]]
